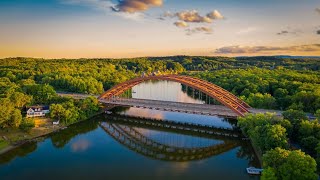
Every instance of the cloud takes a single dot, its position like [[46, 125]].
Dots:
[[133, 6], [318, 32], [266, 49], [97, 4], [290, 32], [188, 17], [207, 30], [181, 24], [193, 16], [128, 9], [168, 14], [283, 33], [215, 15], [132, 16]]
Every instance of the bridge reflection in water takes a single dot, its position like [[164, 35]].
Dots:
[[206, 141]]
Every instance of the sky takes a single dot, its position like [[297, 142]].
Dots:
[[138, 28]]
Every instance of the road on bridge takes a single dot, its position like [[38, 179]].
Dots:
[[203, 109]]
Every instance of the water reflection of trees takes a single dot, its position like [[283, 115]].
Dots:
[[232, 122], [196, 94], [246, 152], [20, 151], [120, 109], [59, 140]]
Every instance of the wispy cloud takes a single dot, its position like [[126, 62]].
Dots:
[[97, 4], [283, 32], [181, 24], [128, 9], [318, 11], [133, 6], [290, 31], [247, 30], [132, 16], [202, 29], [266, 49]]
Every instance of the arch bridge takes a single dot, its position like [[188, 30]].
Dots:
[[233, 105]]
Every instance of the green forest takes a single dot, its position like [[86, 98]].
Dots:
[[263, 82]]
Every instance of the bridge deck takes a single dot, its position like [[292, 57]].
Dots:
[[211, 110], [203, 109]]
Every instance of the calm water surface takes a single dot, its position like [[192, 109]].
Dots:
[[104, 148]]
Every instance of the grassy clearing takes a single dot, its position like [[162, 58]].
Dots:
[[13, 135], [3, 144]]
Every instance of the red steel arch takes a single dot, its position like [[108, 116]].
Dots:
[[212, 90]]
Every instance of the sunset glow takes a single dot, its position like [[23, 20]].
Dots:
[[102, 28]]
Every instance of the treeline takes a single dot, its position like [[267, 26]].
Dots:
[[270, 89], [275, 137], [205, 63], [92, 76], [81, 75], [14, 96]]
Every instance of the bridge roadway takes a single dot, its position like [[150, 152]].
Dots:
[[191, 108]]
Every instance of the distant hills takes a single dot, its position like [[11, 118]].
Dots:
[[282, 56]]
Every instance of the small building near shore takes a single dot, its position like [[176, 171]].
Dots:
[[37, 111]]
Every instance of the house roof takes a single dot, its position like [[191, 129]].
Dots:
[[38, 108]]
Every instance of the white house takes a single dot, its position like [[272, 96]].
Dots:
[[37, 111]]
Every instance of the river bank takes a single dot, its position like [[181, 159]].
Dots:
[[19, 137], [15, 137]]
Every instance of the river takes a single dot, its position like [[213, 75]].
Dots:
[[123, 146]]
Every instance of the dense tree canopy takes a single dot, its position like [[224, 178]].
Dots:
[[286, 165], [270, 89], [72, 111], [267, 131]]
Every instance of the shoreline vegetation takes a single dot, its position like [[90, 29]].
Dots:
[[28, 137], [290, 84], [15, 144], [275, 138]]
